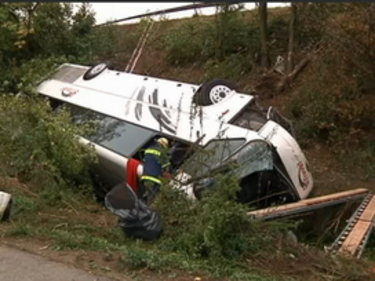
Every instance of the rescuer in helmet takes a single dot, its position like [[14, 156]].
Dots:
[[155, 166]]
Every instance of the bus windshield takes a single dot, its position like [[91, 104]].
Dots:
[[212, 155]]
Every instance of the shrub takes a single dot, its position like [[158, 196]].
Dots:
[[184, 43], [232, 33], [199, 41], [215, 227], [23, 79], [233, 67], [315, 114], [42, 145], [52, 30]]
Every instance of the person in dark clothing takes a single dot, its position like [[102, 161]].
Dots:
[[155, 166]]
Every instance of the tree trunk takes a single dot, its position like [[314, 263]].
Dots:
[[289, 65], [217, 31], [262, 11]]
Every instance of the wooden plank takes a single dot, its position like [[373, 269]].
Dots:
[[353, 241], [308, 202], [355, 237], [368, 214]]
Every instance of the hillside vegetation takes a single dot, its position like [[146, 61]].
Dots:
[[331, 100], [327, 99]]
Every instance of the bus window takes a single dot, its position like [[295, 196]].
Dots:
[[212, 155], [117, 135], [179, 153]]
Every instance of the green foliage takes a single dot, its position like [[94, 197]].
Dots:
[[232, 33], [315, 113], [185, 43], [233, 67], [8, 31], [199, 41], [83, 20], [51, 26], [24, 78], [105, 41], [83, 33], [24, 205], [51, 29], [214, 228], [42, 146]]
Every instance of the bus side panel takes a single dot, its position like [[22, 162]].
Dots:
[[111, 167]]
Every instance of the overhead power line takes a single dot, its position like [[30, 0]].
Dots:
[[166, 11]]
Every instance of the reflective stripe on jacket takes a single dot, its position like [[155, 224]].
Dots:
[[152, 168], [149, 178]]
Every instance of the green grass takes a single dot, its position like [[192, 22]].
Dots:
[[33, 219], [76, 234]]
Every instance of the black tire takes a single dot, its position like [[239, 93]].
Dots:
[[96, 69], [203, 95]]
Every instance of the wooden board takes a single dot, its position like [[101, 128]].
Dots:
[[307, 202], [363, 225]]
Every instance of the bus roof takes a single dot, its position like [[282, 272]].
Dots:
[[161, 105]]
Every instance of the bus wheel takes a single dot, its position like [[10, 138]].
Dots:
[[96, 69], [214, 91]]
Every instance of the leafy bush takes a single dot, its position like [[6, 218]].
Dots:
[[233, 67], [105, 43], [184, 43], [23, 79], [52, 29], [215, 227], [42, 145], [232, 33], [315, 112]]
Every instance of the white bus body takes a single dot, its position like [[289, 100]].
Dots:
[[152, 106]]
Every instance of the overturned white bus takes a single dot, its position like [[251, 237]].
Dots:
[[133, 109]]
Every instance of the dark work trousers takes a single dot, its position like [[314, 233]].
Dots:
[[149, 190]]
